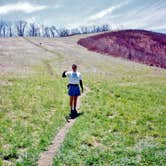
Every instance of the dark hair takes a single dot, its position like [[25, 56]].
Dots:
[[74, 66]]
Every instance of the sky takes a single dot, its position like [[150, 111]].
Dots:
[[119, 14]]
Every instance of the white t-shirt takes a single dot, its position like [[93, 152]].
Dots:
[[74, 77]]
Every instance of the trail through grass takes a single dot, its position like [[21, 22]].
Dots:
[[124, 112], [122, 125], [32, 110]]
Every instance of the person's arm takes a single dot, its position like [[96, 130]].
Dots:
[[64, 74], [81, 85]]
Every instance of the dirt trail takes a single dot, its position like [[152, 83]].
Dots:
[[46, 158]]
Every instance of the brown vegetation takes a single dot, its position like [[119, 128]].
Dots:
[[136, 45]]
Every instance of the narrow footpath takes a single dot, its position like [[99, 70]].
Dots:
[[46, 158]]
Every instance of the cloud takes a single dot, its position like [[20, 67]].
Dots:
[[150, 17], [107, 11], [31, 19], [57, 6], [25, 7]]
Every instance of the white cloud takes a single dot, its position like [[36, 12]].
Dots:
[[145, 16], [105, 12], [152, 17], [57, 6], [31, 19], [25, 7]]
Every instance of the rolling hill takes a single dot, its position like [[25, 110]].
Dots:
[[136, 45], [124, 111]]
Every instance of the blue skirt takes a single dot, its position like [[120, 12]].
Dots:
[[74, 90]]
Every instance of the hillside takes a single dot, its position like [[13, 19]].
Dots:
[[124, 111], [136, 45]]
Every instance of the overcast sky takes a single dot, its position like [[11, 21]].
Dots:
[[146, 14]]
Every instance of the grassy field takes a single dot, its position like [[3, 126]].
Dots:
[[32, 110], [124, 112], [122, 125]]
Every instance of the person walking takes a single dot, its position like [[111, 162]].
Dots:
[[75, 79]]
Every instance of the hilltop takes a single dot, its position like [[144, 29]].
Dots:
[[136, 45]]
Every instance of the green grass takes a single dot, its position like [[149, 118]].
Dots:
[[124, 120], [32, 110], [121, 125]]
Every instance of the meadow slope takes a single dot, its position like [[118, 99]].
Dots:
[[124, 112], [136, 45]]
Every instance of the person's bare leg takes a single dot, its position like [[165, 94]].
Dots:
[[71, 102], [75, 102]]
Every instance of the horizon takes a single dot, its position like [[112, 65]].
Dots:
[[129, 14]]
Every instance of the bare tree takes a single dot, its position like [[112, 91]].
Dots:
[[20, 26], [75, 31], [95, 29], [2, 25], [54, 31], [34, 30], [4, 29], [84, 30], [9, 27], [46, 32], [63, 32], [105, 27], [100, 28]]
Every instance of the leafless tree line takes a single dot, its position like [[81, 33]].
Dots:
[[22, 28]]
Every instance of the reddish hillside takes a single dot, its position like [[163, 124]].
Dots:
[[136, 45]]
